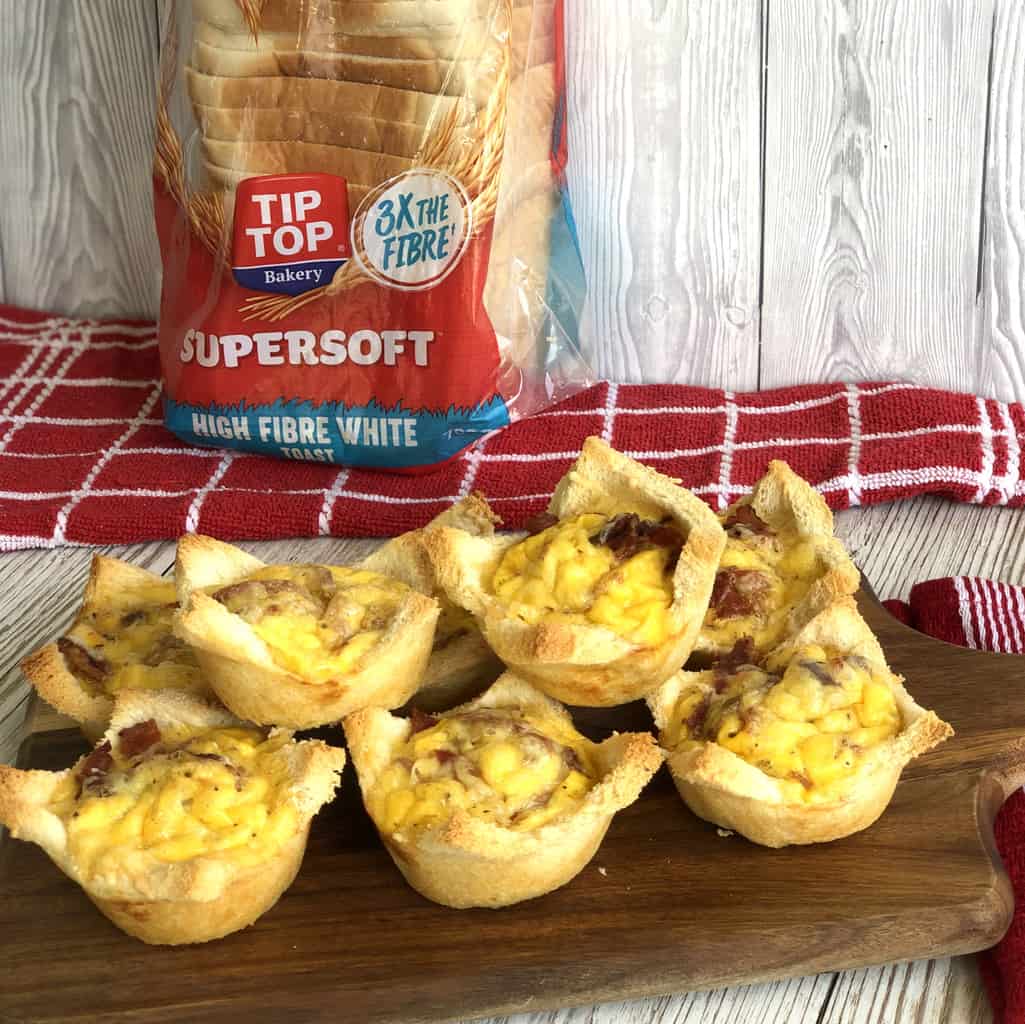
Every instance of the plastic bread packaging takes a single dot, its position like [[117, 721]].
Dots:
[[369, 252]]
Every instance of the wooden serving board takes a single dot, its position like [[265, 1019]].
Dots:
[[668, 904]]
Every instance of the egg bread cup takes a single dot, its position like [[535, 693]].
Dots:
[[466, 861], [183, 899], [722, 787], [241, 668], [113, 588], [820, 571], [582, 662], [461, 663]]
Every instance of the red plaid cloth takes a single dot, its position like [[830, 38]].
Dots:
[[85, 459], [987, 616]]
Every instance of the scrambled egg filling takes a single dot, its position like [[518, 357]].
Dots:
[[761, 577], [810, 728], [561, 573], [192, 793], [317, 620], [131, 648], [505, 765]]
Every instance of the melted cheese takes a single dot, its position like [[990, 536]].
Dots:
[[304, 643], [174, 806], [810, 728], [137, 643], [790, 566], [509, 767], [558, 574]]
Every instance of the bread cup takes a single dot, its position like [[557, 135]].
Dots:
[[305, 645], [595, 654], [121, 639], [819, 735], [184, 824], [780, 568], [530, 813], [461, 663]]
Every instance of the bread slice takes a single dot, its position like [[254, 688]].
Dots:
[[326, 128], [357, 99], [569, 657], [450, 42], [362, 166], [470, 860], [720, 786], [226, 180], [448, 77], [204, 896], [356, 17]]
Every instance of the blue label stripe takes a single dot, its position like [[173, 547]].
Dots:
[[365, 435]]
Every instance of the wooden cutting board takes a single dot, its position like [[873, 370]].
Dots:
[[668, 904]]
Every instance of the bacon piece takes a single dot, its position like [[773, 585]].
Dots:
[[741, 653], [802, 779], [539, 523], [137, 738], [444, 756], [696, 719], [248, 599], [93, 770], [738, 592], [81, 662], [745, 517], [420, 720], [627, 534]]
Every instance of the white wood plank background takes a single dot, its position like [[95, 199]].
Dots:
[[767, 191]]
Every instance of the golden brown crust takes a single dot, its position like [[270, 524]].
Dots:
[[469, 862], [111, 584], [786, 502], [191, 901], [51, 678], [463, 665], [586, 664], [721, 787], [244, 675]]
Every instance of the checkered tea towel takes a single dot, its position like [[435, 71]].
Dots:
[[85, 459], [987, 616]]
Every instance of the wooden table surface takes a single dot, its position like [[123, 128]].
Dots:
[[895, 545]]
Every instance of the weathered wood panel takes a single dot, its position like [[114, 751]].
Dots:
[[1002, 306], [875, 131], [76, 106], [664, 143]]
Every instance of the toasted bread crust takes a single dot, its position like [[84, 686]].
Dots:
[[195, 900], [460, 668], [587, 664], [721, 787], [111, 584], [469, 862], [244, 675]]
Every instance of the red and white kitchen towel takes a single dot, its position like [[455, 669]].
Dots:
[[988, 616], [85, 459]]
